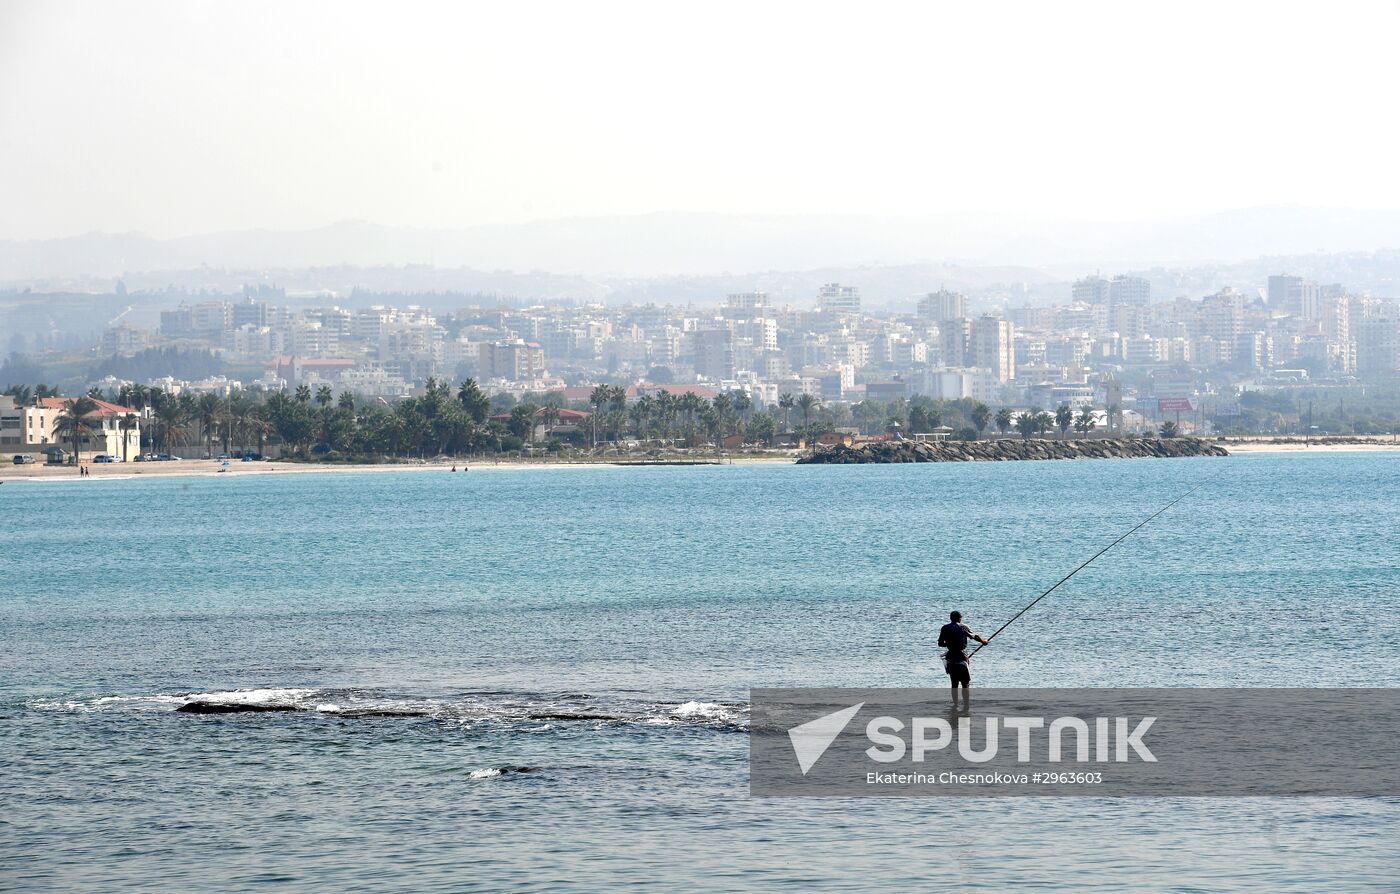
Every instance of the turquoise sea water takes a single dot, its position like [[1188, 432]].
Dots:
[[431, 629]]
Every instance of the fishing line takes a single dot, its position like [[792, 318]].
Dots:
[[1086, 564]]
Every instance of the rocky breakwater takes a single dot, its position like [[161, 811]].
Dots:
[[1005, 449]]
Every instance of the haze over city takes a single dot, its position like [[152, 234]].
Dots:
[[174, 119]]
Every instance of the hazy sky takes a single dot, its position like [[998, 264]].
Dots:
[[177, 118]]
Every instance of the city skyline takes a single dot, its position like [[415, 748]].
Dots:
[[1111, 343]]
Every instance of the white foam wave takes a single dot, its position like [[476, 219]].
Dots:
[[543, 715], [163, 701], [484, 773], [702, 711], [251, 696]]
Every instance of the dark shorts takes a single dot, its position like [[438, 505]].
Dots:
[[958, 673]]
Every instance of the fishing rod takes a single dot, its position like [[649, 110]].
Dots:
[[1086, 564]]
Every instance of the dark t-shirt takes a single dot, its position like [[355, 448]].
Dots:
[[954, 637]]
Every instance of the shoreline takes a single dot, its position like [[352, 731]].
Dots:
[[208, 467], [1300, 447], [198, 468]]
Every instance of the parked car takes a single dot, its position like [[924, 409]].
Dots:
[[166, 457], [105, 458], [23, 459]]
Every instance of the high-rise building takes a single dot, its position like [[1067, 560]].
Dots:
[[943, 305], [1221, 316], [712, 353], [1091, 290], [1377, 345], [955, 342], [993, 347], [249, 312], [838, 299], [1128, 320], [210, 318], [1295, 295], [1130, 290], [1336, 328], [516, 360], [746, 302]]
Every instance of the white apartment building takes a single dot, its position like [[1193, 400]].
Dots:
[[955, 383], [835, 298]]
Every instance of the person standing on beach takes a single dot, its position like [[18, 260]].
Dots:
[[953, 636]]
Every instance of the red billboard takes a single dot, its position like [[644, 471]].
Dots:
[[1174, 405]]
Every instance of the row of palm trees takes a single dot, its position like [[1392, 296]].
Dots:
[[444, 421], [672, 416]]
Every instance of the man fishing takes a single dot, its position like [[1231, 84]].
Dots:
[[953, 636]]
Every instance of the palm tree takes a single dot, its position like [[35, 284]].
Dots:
[[1064, 418], [1044, 422], [474, 401], [209, 407], [981, 416], [1004, 420], [723, 406], [742, 403], [243, 416], [346, 401], [638, 414], [75, 422], [324, 395], [522, 422], [1027, 423], [1084, 422], [669, 407], [1169, 430], [303, 394], [786, 403], [807, 404], [171, 424], [600, 395], [710, 422], [686, 406], [617, 399], [129, 423]]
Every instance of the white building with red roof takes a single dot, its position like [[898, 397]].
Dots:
[[33, 428]]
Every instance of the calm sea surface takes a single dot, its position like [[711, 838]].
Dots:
[[431, 628]]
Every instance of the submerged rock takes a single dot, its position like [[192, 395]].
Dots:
[[229, 708], [1012, 449]]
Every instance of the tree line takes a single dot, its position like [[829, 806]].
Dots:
[[464, 420]]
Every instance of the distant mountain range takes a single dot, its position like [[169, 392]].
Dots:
[[680, 244]]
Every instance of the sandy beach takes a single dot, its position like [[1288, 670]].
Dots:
[[205, 467], [1299, 446], [114, 471]]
